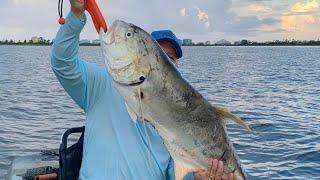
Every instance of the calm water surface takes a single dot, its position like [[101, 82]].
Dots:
[[276, 89]]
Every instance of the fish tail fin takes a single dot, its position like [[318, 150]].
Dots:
[[225, 115]]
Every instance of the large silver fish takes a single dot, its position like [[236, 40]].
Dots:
[[192, 129]]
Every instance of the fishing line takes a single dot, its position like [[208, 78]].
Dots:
[[148, 142]]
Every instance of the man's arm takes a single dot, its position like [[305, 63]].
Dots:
[[75, 75]]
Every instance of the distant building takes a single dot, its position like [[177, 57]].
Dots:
[[223, 42], [187, 42], [244, 42], [96, 41], [200, 43], [35, 39], [84, 41], [207, 43], [252, 42], [42, 40], [237, 43]]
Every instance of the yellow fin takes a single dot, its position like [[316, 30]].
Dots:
[[225, 115]]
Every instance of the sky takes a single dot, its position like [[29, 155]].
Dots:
[[200, 20]]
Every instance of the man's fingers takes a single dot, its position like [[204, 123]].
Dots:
[[212, 168], [224, 177], [209, 167], [231, 176], [219, 172], [200, 174]]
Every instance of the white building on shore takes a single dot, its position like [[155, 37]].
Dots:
[[223, 42], [187, 42], [96, 41], [36, 39], [84, 41]]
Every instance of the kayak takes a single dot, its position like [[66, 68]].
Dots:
[[26, 168], [63, 163]]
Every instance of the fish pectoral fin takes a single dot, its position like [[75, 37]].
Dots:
[[225, 115]]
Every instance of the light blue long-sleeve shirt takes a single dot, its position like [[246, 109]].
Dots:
[[115, 145]]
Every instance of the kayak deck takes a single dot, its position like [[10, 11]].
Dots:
[[64, 163], [26, 168]]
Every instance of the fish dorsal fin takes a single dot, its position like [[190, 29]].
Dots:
[[225, 115]]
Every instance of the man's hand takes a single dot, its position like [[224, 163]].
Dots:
[[214, 171], [77, 7]]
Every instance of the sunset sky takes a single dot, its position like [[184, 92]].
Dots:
[[201, 20]]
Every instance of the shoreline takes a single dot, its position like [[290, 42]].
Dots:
[[249, 45]]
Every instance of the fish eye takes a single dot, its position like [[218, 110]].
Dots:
[[129, 34]]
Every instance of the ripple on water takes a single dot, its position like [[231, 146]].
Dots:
[[275, 89]]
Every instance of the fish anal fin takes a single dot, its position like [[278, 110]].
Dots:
[[225, 115]]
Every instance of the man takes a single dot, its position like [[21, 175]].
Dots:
[[115, 145]]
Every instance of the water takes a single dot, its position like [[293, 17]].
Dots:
[[276, 89]]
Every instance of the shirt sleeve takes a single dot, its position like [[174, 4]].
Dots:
[[170, 170], [189, 176], [82, 80]]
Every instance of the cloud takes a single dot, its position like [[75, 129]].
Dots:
[[305, 7], [202, 19], [281, 19], [192, 17], [302, 17], [301, 26], [22, 19], [196, 12], [216, 16], [250, 25], [22, 2], [270, 21], [183, 12], [259, 8], [301, 23]]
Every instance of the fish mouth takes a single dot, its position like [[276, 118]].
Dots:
[[118, 64], [132, 83], [109, 37]]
